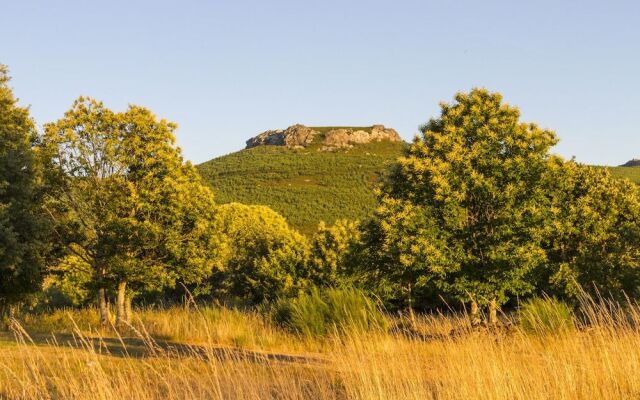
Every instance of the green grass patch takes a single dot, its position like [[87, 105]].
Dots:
[[324, 311], [546, 316]]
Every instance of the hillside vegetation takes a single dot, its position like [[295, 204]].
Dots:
[[305, 185], [631, 173]]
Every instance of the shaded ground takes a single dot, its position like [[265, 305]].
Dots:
[[139, 348]]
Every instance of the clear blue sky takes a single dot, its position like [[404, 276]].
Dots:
[[227, 70]]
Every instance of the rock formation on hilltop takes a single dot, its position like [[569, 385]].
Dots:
[[329, 138]]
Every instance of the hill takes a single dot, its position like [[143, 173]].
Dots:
[[632, 173], [634, 162], [295, 172], [304, 184]]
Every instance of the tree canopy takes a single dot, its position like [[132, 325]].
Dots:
[[127, 204], [462, 208], [593, 235], [334, 253], [263, 258], [476, 210], [22, 225]]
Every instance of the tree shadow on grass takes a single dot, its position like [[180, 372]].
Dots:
[[131, 347]]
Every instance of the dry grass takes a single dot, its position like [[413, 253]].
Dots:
[[204, 325], [599, 360]]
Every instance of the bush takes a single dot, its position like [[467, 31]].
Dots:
[[321, 312], [261, 258], [546, 315]]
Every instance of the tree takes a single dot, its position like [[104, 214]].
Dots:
[[593, 238], [128, 206], [68, 283], [400, 245], [262, 257], [22, 225], [461, 209], [334, 252]]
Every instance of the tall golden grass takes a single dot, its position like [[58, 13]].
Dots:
[[598, 359]]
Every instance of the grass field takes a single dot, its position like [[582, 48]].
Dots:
[[197, 354], [304, 185]]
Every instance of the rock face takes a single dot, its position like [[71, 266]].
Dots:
[[298, 135]]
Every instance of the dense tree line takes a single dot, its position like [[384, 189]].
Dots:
[[477, 211], [22, 225]]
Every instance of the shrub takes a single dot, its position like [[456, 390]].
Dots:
[[546, 315], [261, 257], [321, 312], [334, 253]]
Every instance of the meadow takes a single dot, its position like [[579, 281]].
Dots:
[[221, 353]]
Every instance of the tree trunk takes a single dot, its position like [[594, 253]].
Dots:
[[493, 312], [4, 314], [121, 317], [475, 313], [412, 315], [104, 307], [5, 310], [128, 313]]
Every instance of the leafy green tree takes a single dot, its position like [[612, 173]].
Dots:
[[262, 258], [593, 238], [461, 210], [334, 252], [128, 205], [400, 244], [22, 226], [68, 283]]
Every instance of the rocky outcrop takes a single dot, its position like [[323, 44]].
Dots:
[[328, 139]]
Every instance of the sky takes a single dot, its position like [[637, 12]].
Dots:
[[228, 70]]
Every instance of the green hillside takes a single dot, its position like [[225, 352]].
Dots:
[[305, 185], [632, 173]]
